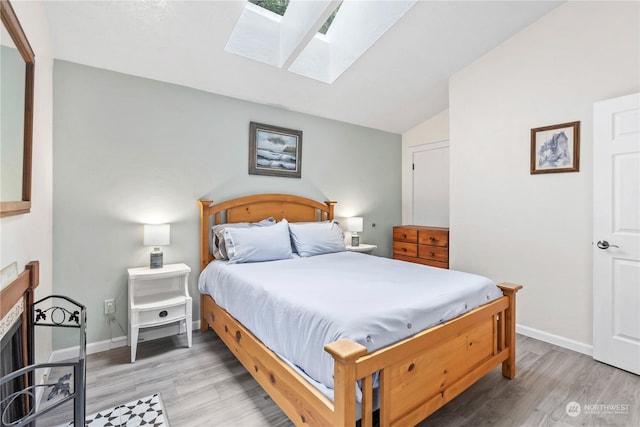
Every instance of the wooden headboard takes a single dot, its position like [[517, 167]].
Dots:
[[255, 208]]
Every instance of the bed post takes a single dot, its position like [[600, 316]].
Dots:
[[509, 366], [204, 232], [345, 353], [330, 204], [204, 252]]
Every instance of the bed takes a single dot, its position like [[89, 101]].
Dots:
[[406, 380]]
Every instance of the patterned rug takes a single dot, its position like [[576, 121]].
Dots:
[[146, 411]]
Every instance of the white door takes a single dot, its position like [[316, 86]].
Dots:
[[616, 232], [430, 184]]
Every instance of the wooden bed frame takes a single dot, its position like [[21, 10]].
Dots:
[[418, 375]]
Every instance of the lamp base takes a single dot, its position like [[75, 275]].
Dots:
[[156, 258], [355, 240]]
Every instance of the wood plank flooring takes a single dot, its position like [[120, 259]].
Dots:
[[206, 386]]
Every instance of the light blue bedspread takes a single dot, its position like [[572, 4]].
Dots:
[[296, 306]]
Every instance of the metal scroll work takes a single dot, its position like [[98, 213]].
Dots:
[[59, 316]]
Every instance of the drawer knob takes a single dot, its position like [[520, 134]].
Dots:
[[163, 313], [404, 236], [404, 249], [432, 238], [432, 253]]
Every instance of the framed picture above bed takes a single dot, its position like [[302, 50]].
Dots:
[[274, 151], [555, 148]]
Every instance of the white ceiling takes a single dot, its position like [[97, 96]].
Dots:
[[399, 82]]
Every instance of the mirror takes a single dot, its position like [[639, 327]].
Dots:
[[17, 65]]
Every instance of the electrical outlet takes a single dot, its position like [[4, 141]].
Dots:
[[109, 306]]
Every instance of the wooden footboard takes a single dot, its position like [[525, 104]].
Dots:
[[417, 375]]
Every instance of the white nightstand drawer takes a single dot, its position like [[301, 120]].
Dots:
[[161, 315]]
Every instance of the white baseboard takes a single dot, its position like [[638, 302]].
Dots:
[[100, 346], [94, 347], [555, 340]]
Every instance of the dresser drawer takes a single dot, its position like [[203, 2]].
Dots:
[[428, 262], [406, 249], [434, 237], [435, 253], [405, 234]]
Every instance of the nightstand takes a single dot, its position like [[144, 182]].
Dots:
[[362, 247], [158, 296]]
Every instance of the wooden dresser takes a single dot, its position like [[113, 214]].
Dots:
[[424, 245]]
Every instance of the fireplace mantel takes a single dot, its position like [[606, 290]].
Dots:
[[21, 289]]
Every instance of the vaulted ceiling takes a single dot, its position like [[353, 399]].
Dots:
[[396, 84]]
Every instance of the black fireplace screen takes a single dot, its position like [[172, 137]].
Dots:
[[12, 357]]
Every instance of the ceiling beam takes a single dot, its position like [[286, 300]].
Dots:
[[299, 26]]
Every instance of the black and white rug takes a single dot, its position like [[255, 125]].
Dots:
[[146, 411]]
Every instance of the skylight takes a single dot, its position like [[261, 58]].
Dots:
[[329, 21], [276, 6], [311, 38]]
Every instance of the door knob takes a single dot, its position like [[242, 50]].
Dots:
[[603, 244]]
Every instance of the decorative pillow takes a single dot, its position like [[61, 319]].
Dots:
[[217, 244], [293, 245], [317, 238], [255, 244]]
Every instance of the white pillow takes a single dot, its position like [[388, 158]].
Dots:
[[218, 248], [255, 244], [316, 238], [293, 245]]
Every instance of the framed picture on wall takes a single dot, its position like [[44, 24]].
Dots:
[[274, 151], [555, 148]]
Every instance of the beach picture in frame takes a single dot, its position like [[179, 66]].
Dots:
[[274, 151], [555, 148]]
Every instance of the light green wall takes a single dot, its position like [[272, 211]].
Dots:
[[129, 151]]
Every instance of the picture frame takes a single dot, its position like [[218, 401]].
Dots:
[[275, 151], [555, 148]]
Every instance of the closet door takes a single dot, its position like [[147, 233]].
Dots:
[[616, 232], [430, 184]]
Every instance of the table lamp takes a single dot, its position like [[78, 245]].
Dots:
[[354, 225], [156, 236]]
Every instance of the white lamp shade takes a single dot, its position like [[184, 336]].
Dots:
[[156, 235], [354, 224]]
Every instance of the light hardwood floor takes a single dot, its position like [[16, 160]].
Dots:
[[206, 386]]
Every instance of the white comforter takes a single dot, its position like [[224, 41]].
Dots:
[[298, 305]]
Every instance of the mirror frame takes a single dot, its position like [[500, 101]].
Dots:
[[13, 27]]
